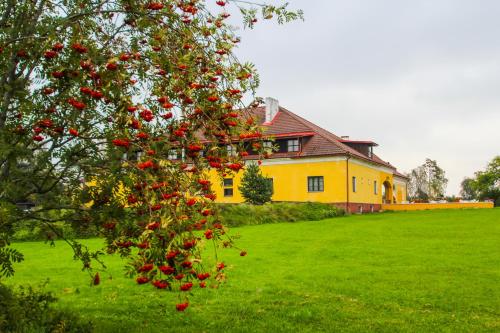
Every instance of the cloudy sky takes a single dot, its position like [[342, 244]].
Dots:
[[420, 78]]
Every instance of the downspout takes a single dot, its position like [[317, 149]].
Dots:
[[347, 183]]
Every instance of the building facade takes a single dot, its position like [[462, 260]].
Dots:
[[312, 164]]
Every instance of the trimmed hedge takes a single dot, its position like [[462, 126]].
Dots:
[[234, 215]]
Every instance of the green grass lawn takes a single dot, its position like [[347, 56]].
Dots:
[[394, 272]]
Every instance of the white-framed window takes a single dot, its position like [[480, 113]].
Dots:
[[370, 151], [375, 187], [231, 151], [172, 154], [354, 184], [135, 155], [315, 184], [293, 145]]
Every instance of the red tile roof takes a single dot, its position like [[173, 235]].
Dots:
[[320, 143], [399, 174]]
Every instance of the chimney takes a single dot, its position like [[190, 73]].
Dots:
[[272, 107], [345, 137]]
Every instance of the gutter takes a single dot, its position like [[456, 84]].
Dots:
[[347, 183]]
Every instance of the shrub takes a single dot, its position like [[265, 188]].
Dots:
[[246, 214], [255, 188], [29, 310]]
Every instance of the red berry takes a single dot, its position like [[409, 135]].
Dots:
[[181, 307], [79, 48], [50, 54], [121, 143], [191, 202], [155, 6], [57, 47], [146, 268], [145, 165], [58, 74], [125, 57], [142, 280], [209, 234], [111, 66], [160, 284], [186, 286], [167, 270]]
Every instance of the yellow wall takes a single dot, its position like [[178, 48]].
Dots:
[[365, 189], [447, 205], [290, 178], [400, 192], [290, 181]]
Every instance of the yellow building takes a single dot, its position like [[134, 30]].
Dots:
[[313, 164]]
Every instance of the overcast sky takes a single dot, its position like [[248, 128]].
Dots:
[[420, 78]]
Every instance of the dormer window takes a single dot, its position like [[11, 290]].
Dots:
[[370, 151], [268, 144], [293, 145]]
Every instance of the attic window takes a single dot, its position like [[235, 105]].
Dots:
[[370, 151], [268, 144], [293, 145]]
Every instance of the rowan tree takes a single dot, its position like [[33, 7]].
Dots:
[[95, 95]]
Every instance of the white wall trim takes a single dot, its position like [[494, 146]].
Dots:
[[399, 182], [373, 166], [300, 160], [305, 160]]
